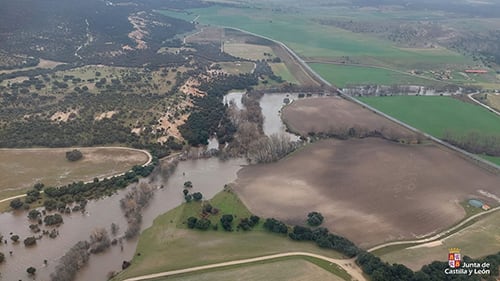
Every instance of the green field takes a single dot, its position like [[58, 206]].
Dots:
[[248, 51], [347, 75], [435, 114], [22, 168], [235, 68], [280, 269], [164, 246], [477, 240], [310, 39], [280, 69]]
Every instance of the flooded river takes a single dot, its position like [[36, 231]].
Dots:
[[271, 105], [208, 177]]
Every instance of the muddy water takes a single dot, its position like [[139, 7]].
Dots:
[[235, 97], [208, 176], [271, 105]]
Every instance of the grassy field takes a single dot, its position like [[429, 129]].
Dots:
[[345, 75], [236, 68], [495, 160], [477, 240], [280, 69], [311, 39], [494, 101], [294, 269], [436, 115], [21, 168], [164, 246], [248, 51]]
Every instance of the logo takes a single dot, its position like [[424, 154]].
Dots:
[[454, 258]]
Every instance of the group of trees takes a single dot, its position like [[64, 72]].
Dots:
[[202, 223], [275, 225], [209, 115], [196, 196], [99, 240], [54, 219], [248, 223], [378, 270], [314, 218], [132, 205], [475, 142], [272, 148], [74, 155], [69, 264], [325, 239]]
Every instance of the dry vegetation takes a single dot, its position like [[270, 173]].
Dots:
[[22, 168], [369, 190], [335, 114]]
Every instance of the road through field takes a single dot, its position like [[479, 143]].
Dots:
[[440, 235], [150, 159], [348, 265], [482, 104]]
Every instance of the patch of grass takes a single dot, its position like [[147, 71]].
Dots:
[[345, 75], [435, 115], [470, 210], [276, 269], [493, 100], [22, 168], [169, 245], [248, 51], [227, 203], [477, 240], [492, 159], [239, 67], [280, 69]]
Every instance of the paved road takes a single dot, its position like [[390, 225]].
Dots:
[[482, 104], [347, 264], [150, 159]]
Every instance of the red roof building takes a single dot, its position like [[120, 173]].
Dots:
[[479, 71]]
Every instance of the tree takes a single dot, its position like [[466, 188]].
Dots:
[[203, 224], [53, 219], [188, 184], [114, 229], [34, 214], [38, 186], [188, 198], [314, 218], [275, 225], [74, 155], [31, 270], [2, 257], [197, 196], [226, 221], [185, 192], [14, 238], [16, 204], [191, 222], [30, 241]]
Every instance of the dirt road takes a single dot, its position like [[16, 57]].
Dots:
[[348, 265]]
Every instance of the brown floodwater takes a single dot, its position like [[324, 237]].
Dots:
[[208, 177]]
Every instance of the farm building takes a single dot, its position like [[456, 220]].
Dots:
[[476, 71], [476, 203]]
